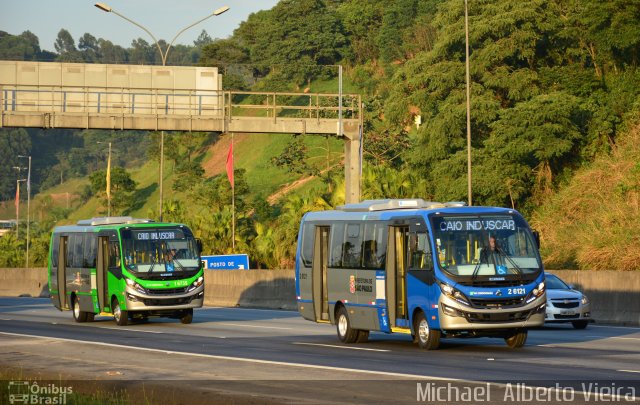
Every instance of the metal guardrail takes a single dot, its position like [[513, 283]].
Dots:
[[38, 99]]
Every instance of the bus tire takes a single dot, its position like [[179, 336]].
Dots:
[[187, 316], [427, 338], [78, 315], [346, 333], [363, 336], [580, 324], [517, 339], [120, 316]]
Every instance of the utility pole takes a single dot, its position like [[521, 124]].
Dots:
[[28, 205]]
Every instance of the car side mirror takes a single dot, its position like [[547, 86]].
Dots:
[[571, 287], [536, 236], [199, 245]]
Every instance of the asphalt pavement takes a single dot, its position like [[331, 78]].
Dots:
[[240, 355]]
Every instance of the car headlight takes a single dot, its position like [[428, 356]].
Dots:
[[454, 293], [585, 300]]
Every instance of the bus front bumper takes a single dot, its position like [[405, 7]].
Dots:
[[458, 317], [138, 301]]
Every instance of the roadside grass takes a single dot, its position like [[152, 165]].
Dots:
[[593, 222]]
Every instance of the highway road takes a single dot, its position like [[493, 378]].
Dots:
[[239, 355]]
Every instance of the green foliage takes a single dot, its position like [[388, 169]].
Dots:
[[122, 187]]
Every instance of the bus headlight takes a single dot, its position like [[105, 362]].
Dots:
[[536, 292], [453, 293], [135, 285], [197, 283]]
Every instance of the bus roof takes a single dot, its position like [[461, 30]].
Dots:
[[387, 209], [100, 223], [395, 204], [113, 220]]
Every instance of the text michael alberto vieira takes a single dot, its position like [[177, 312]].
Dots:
[[521, 392]]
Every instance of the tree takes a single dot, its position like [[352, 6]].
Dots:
[[13, 142], [90, 48], [66, 47], [122, 187], [202, 40]]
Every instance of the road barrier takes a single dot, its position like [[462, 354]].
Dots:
[[614, 295]]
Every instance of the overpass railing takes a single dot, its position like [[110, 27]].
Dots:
[[57, 100]]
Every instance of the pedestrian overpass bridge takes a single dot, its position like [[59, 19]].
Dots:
[[158, 98]]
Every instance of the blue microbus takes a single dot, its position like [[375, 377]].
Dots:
[[423, 268]]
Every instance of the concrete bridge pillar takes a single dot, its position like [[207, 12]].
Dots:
[[352, 162]]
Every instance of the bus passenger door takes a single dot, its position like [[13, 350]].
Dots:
[[319, 273], [396, 275], [101, 272], [62, 272]]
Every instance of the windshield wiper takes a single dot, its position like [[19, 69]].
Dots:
[[511, 261], [179, 264], [153, 264], [476, 269]]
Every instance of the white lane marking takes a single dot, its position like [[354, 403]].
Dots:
[[613, 327], [629, 371], [614, 337], [247, 360], [127, 329], [251, 326], [342, 347], [281, 363], [7, 319]]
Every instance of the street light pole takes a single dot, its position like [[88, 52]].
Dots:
[[163, 57], [466, 33], [28, 205]]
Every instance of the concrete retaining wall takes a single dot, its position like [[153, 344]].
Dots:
[[614, 295], [24, 282]]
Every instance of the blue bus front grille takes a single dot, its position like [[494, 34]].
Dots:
[[497, 303]]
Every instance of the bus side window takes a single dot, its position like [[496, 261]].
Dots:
[[114, 254], [337, 239], [55, 251], [352, 248], [90, 251], [420, 252]]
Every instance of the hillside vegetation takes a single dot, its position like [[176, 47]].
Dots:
[[593, 222], [552, 86]]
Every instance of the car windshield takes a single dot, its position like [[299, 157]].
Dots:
[[489, 247], [159, 250], [554, 283]]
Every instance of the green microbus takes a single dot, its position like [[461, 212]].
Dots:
[[126, 267]]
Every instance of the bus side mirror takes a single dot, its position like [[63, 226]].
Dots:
[[536, 236], [199, 245]]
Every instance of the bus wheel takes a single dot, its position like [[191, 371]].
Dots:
[[428, 339], [363, 336], [187, 316], [121, 317], [346, 333], [517, 339], [78, 315]]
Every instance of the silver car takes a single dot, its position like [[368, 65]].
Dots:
[[564, 304]]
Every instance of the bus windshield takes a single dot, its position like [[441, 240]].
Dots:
[[485, 247], [151, 251]]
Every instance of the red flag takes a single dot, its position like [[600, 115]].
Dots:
[[230, 165]]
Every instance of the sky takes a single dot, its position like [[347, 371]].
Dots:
[[164, 18]]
